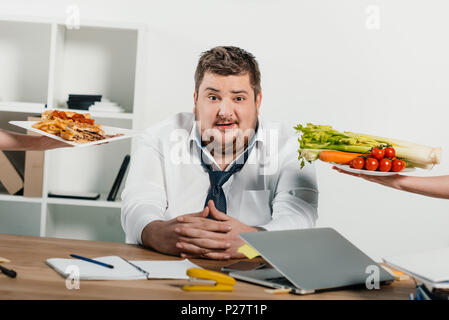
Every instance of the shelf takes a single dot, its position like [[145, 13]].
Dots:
[[108, 115], [70, 202], [42, 63], [86, 203], [25, 107], [83, 222], [7, 197], [86, 169]]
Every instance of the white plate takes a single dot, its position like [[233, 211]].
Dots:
[[127, 133], [347, 168]]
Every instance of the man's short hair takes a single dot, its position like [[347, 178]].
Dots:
[[227, 61]]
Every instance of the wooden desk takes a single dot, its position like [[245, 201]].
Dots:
[[36, 280]]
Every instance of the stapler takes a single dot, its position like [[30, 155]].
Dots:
[[220, 281]]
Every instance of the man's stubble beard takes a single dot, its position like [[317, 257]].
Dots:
[[225, 149]]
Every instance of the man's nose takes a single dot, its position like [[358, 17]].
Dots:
[[225, 108]]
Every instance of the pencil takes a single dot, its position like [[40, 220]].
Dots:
[[93, 261]]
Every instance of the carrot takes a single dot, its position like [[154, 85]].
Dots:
[[338, 156]]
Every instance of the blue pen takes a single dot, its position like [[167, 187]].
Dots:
[[93, 261]]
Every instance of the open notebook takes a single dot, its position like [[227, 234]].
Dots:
[[157, 269]]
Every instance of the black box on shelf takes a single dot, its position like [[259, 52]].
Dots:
[[82, 101]]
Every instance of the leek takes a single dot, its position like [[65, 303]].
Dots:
[[315, 138]]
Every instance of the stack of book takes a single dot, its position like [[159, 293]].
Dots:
[[429, 268]]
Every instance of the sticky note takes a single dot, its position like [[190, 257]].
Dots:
[[248, 251], [278, 291], [4, 260], [398, 275]]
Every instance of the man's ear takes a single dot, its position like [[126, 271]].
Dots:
[[195, 97], [258, 101]]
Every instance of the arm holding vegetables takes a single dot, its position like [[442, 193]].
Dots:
[[437, 187]]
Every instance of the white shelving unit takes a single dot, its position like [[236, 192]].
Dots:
[[41, 62]]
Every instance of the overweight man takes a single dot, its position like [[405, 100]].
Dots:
[[199, 179]]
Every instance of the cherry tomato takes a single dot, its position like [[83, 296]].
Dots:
[[358, 163], [378, 153], [390, 152], [371, 164], [385, 165], [398, 165]]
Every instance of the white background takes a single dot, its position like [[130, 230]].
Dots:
[[322, 63]]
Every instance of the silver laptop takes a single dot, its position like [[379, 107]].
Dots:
[[308, 260]]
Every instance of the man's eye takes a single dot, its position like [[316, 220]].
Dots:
[[213, 98], [239, 99]]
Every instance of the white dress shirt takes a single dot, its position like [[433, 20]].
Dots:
[[166, 179]]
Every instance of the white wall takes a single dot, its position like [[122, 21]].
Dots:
[[320, 64]]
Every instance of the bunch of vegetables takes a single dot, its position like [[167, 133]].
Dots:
[[316, 141]]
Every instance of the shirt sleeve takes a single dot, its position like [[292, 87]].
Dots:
[[144, 198], [295, 199]]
